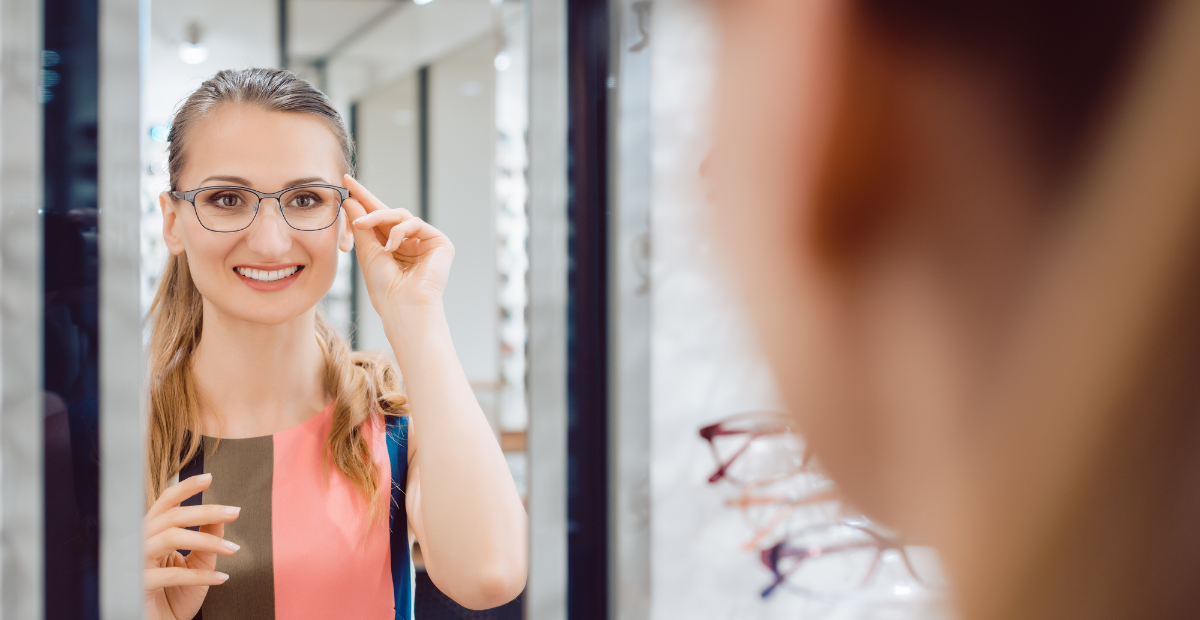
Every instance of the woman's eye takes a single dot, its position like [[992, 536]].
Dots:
[[228, 201], [303, 202]]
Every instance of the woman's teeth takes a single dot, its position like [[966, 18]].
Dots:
[[266, 276]]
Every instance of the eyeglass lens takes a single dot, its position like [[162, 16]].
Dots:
[[836, 559], [757, 457], [305, 208], [828, 560]]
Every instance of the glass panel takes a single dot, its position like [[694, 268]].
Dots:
[[71, 327]]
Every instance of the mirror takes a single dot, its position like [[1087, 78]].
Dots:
[[434, 95]]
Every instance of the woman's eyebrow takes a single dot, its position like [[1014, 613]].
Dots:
[[305, 180], [226, 179], [246, 183]]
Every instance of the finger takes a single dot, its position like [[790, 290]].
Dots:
[[354, 209], [409, 229], [190, 516], [383, 217], [365, 198], [205, 559], [175, 538], [174, 495], [155, 578], [369, 241]]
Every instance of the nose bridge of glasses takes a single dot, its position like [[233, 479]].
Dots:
[[277, 197], [276, 214]]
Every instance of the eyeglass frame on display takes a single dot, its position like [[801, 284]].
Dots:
[[770, 558], [711, 431], [190, 197], [786, 507]]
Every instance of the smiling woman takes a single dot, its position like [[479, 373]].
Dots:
[[253, 395]]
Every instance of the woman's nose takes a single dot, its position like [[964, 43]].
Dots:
[[270, 235]]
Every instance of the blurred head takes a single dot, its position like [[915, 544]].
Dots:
[[893, 178], [267, 131]]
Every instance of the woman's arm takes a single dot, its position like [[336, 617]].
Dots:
[[461, 499]]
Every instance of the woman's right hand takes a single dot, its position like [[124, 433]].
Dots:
[[176, 585]]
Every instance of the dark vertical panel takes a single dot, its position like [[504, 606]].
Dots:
[[71, 328], [587, 310], [423, 139], [354, 287], [283, 34]]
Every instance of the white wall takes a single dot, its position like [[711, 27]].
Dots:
[[462, 146], [462, 152]]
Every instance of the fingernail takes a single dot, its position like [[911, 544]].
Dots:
[[232, 510], [232, 546], [358, 220], [222, 576], [203, 477]]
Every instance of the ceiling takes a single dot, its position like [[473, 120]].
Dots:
[[365, 44]]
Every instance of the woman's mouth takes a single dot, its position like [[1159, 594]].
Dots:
[[268, 279], [263, 275]]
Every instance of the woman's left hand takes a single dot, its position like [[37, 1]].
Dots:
[[405, 261]]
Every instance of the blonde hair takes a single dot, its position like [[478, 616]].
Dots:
[[364, 387]]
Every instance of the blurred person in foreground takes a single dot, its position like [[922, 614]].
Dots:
[[969, 234]]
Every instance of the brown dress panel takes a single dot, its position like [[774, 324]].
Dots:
[[242, 471]]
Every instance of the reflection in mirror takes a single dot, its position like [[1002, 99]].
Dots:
[[434, 97]]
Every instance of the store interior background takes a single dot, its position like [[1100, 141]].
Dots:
[[437, 95]]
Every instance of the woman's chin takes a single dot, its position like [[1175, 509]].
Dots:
[[265, 314]]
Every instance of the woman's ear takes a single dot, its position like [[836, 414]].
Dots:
[[171, 224], [345, 234]]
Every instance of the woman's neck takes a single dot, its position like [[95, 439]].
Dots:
[[256, 379]]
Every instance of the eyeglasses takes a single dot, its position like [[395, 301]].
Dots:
[[229, 208], [829, 561], [770, 515], [755, 448]]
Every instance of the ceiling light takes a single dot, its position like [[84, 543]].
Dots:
[[192, 51], [193, 54], [503, 61], [418, 2]]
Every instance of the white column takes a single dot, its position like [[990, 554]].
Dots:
[[122, 428], [546, 592]]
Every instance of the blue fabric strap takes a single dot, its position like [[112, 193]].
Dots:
[[402, 567]]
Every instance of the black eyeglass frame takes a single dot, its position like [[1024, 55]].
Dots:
[[190, 196]]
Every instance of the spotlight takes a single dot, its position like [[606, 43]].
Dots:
[[192, 51], [503, 61]]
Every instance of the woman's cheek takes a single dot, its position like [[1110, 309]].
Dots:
[[324, 260]]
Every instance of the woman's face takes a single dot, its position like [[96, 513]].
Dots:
[[266, 151]]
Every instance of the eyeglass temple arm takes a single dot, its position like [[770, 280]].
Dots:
[[828, 495], [771, 558], [724, 467]]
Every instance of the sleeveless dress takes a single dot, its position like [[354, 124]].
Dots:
[[307, 548]]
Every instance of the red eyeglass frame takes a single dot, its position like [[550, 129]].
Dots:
[[773, 423]]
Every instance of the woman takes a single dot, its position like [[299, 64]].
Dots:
[[966, 232], [282, 433]]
